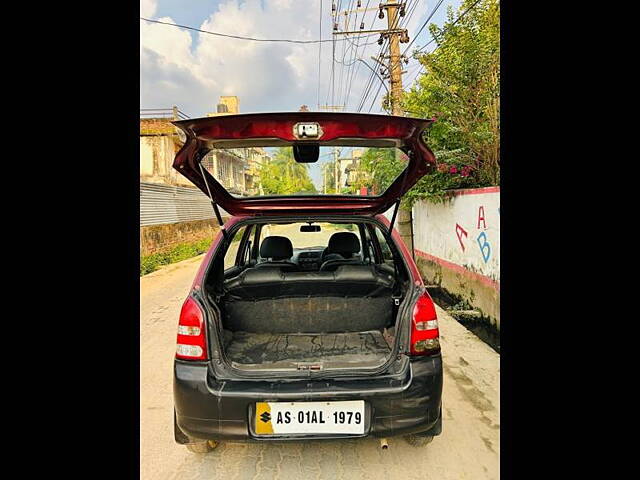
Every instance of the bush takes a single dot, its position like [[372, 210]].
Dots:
[[150, 263]]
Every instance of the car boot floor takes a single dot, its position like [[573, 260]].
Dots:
[[272, 350]]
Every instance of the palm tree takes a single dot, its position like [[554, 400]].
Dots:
[[294, 177]]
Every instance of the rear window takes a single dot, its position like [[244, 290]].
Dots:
[[300, 240], [272, 171], [232, 252], [387, 255]]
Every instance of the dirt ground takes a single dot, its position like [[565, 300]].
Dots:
[[469, 447]]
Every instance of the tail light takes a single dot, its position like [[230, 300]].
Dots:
[[424, 327], [192, 343]]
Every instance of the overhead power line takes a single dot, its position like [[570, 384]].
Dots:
[[239, 37]]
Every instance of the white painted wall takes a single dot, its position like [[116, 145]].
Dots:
[[455, 231]]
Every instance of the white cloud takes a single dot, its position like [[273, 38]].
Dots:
[[176, 70], [148, 8]]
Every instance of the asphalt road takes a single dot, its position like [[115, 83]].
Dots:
[[468, 448]]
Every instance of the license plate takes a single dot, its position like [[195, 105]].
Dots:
[[278, 418]]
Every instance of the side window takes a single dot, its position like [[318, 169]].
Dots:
[[232, 251], [369, 245], [387, 256]]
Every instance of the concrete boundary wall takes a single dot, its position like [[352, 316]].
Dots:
[[161, 238], [457, 246]]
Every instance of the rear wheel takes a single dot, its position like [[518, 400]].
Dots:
[[202, 447], [417, 440]]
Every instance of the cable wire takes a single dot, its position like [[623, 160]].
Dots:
[[238, 37]]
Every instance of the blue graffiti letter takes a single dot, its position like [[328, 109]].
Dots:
[[485, 248]]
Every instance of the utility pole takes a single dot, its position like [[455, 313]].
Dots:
[[395, 62], [336, 157], [324, 179], [336, 152], [394, 11]]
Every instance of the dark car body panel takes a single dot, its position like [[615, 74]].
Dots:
[[203, 133], [405, 403]]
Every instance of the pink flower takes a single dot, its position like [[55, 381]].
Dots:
[[453, 170]]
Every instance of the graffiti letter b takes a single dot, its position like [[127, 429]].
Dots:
[[485, 248]]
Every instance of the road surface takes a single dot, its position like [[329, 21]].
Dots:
[[468, 448]]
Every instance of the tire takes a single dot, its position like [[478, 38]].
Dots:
[[202, 447], [418, 441]]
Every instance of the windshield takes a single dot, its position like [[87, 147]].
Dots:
[[272, 171]]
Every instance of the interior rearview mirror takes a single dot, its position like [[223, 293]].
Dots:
[[306, 152], [310, 228]]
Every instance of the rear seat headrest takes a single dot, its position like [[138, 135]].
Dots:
[[344, 243], [277, 248]]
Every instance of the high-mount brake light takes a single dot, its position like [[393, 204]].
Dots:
[[424, 327], [192, 343]]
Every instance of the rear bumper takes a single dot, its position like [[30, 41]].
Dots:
[[395, 405]]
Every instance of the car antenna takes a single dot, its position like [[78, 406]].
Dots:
[[216, 210]]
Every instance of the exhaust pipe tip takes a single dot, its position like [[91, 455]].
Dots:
[[384, 444]]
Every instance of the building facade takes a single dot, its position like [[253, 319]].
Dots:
[[159, 143]]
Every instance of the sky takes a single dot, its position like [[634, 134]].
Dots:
[[191, 69]]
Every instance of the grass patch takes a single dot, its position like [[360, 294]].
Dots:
[[150, 263]]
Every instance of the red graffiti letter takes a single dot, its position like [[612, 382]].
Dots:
[[481, 217], [460, 230]]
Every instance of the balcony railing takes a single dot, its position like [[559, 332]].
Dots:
[[173, 113]]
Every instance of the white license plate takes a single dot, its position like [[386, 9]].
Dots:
[[278, 418]]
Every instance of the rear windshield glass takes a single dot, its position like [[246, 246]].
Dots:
[[305, 239], [272, 171]]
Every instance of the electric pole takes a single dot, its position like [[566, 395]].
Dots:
[[396, 36], [395, 62], [336, 152]]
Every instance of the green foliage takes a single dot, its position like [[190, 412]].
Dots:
[[383, 166], [461, 89], [150, 263], [284, 176]]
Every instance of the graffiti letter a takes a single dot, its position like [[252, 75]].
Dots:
[[459, 232], [481, 217]]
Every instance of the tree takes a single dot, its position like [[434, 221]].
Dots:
[[461, 89], [284, 176], [383, 166]]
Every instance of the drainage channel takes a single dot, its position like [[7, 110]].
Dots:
[[464, 313]]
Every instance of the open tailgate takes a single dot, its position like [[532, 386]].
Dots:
[[280, 129]]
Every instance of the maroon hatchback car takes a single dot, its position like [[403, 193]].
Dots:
[[308, 318]]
